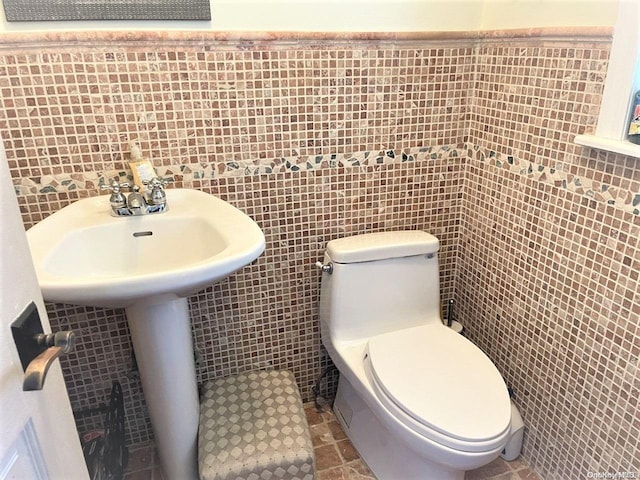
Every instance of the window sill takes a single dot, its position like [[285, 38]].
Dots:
[[618, 146]]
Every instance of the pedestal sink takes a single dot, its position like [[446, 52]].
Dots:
[[149, 265]]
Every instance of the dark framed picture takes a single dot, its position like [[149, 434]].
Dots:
[[54, 10]]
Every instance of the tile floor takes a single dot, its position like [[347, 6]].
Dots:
[[336, 458]]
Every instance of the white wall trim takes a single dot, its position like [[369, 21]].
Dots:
[[622, 81]]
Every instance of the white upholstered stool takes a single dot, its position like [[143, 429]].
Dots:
[[253, 427]]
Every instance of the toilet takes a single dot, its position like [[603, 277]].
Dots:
[[417, 400]]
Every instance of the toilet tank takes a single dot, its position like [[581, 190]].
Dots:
[[380, 282]]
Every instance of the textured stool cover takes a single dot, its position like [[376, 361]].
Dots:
[[253, 427]]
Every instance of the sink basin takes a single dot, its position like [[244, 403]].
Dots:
[[84, 256], [149, 265]]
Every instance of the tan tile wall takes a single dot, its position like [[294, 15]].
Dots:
[[539, 236], [313, 141], [70, 112], [547, 278]]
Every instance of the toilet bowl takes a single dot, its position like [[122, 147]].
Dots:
[[417, 400]]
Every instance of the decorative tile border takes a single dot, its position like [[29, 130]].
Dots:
[[613, 196], [185, 174]]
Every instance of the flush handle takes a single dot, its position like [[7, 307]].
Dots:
[[54, 345], [326, 267]]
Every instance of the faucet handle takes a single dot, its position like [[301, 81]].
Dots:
[[117, 199], [157, 196], [115, 186], [155, 182]]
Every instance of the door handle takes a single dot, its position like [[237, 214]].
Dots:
[[38, 368], [54, 345], [36, 349]]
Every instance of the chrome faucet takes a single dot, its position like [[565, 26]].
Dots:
[[136, 202], [153, 201]]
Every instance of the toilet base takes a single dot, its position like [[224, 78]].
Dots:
[[388, 458]]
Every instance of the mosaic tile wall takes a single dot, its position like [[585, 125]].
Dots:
[[320, 141], [547, 277], [312, 141], [266, 314]]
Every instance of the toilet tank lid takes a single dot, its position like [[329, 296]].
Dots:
[[381, 246]]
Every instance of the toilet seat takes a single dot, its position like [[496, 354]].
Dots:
[[440, 385]]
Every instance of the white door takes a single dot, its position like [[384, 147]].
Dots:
[[38, 438]]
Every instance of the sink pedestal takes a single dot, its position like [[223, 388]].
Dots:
[[162, 341]]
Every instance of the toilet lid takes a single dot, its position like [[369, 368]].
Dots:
[[441, 380]]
